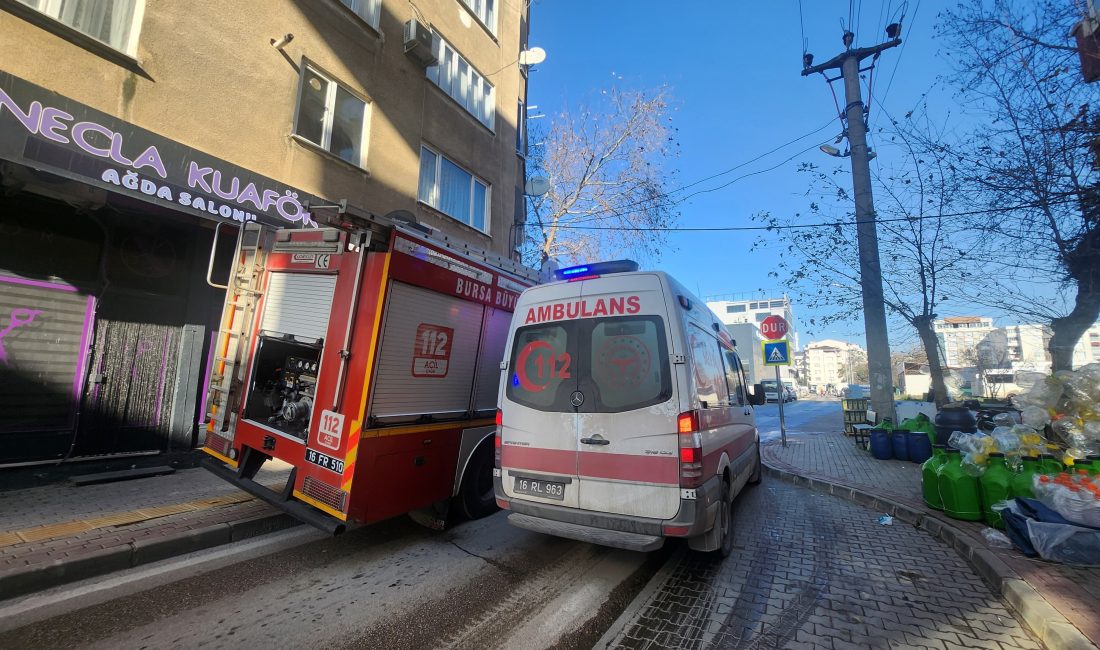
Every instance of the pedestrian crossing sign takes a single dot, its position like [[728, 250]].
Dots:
[[777, 353]]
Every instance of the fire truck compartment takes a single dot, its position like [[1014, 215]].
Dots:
[[283, 385]]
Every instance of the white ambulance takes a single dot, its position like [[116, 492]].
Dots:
[[624, 413]]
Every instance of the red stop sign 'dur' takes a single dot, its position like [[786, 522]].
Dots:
[[773, 327]]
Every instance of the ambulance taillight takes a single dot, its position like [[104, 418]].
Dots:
[[497, 441], [691, 449]]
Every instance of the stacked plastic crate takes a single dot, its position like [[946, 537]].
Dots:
[[855, 412]]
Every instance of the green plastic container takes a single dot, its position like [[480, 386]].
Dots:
[[930, 486], [1022, 483], [1050, 464], [995, 485], [958, 490]]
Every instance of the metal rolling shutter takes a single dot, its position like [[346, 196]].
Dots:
[[497, 322], [42, 326], [396, 391], [298, 304]]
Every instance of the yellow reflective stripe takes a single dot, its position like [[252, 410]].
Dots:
[[353, 453], [375, 329], [320, 506], [397, 431], [224, 459]]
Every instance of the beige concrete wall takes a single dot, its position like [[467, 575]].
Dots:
[[213, 82]]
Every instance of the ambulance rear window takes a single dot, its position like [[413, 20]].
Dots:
[[616, 363], [542, 359]]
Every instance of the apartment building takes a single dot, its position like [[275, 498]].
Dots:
[[959, 337], [830, 363], [135, 135], [740, 309]]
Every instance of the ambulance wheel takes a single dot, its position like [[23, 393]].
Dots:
[[724, 522], [478, 499], [758, 471]]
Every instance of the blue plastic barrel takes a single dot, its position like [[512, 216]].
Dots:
[[881, 447], [920, 447], [901, 445]]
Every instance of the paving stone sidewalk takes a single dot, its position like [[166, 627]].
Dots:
[[810, 570], [834, 457], [59, 523]]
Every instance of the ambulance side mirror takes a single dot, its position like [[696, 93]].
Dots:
[[757, 397]]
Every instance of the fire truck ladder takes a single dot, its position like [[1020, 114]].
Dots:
[[241, 298]]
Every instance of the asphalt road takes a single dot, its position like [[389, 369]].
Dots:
[[394, 585], [803, 573], [804, 417]]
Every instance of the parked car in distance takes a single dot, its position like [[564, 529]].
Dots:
[[792, 392], [771, 390]]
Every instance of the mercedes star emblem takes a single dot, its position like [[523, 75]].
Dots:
[[576, 399]]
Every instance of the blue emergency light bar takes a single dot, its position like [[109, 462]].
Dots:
[[596, 269]]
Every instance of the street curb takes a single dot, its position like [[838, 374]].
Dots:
[[633, 610], [1046, 622], [28, 580]]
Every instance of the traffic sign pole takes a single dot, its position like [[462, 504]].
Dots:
[[773, 328], [779, 391]]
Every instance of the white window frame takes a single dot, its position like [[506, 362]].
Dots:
[[485, 11], [467, 90], [330, 104], [369, 11], [52, 10], [433, 199], [521, 128]]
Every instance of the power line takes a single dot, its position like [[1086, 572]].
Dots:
[[752, 160], [622, 209], [897, 61], [830, 224]]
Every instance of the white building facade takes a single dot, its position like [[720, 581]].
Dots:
[[829, 363], [959, 338], [739, 311]]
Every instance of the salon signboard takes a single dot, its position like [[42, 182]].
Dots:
[[47, 131]]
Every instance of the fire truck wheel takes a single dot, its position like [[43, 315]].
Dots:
[[477, 495]]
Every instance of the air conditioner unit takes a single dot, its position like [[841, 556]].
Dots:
[[420, 43]]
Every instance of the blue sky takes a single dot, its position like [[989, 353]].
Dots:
[[734, 69]]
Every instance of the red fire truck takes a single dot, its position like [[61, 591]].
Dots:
[[367, 356]]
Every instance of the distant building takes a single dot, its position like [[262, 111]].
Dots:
[[828, 363], [741, 309], [959, 337], [1028, 347], [914, 381]]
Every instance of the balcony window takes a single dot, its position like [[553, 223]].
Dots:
[[486, 12], [452, 190], [368, 10], [331, 117], [114, 22], [456, 77]]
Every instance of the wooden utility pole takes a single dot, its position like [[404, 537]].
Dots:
[[870, 272]]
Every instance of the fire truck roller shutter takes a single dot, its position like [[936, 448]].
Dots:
[[489, 357], [298, 304], [428, 354]]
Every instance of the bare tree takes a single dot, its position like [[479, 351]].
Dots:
[[1029, 158], [608, 166], [924, 252]]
